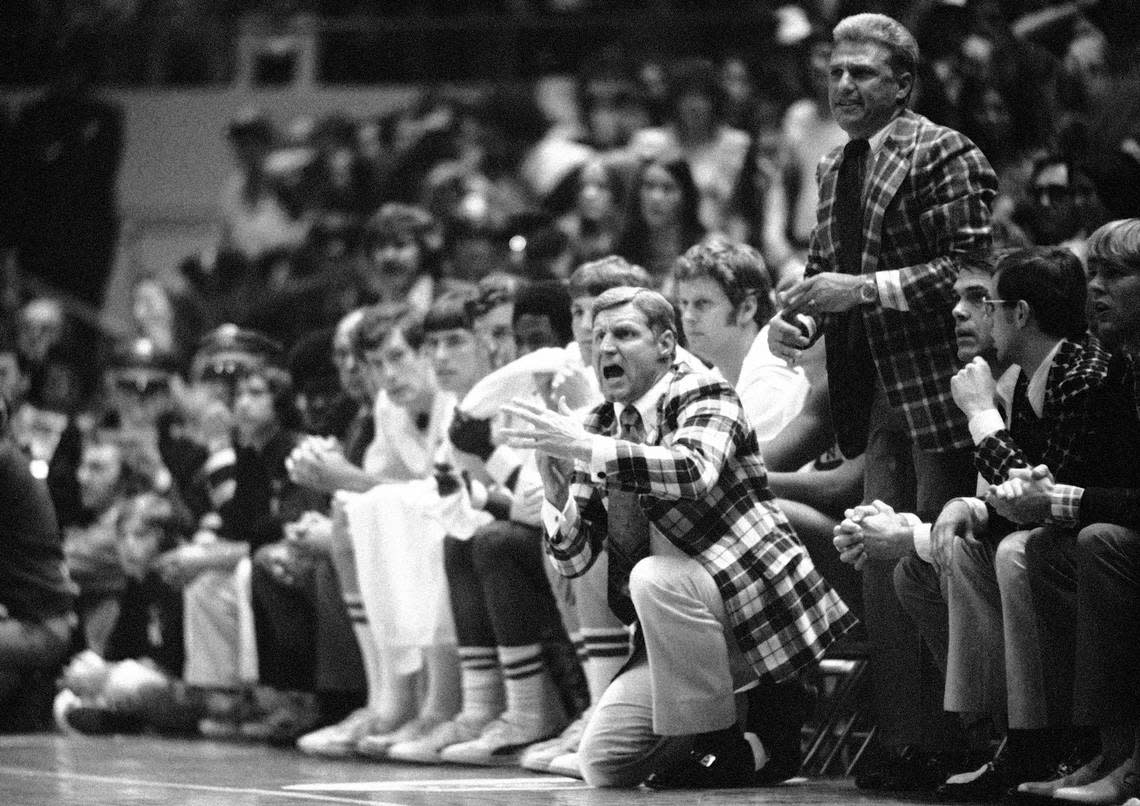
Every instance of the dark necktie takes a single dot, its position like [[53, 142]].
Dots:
[[850, 367], [848, 209], [1025, 426], [627, 529]]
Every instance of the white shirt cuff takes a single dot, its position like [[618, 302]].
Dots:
[[890, 288], [922, 541], [603, 453], [984, 423], [553, 518]]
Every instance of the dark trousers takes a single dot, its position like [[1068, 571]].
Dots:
[[304, 637], [500, 594], [907, 684], [1107, 688]]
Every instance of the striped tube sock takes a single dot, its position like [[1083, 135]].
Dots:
[[525, 680], [607, 649], [481, 681], [367, 642]]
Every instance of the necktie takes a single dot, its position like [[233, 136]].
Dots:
[[850, 367], [627, 529], [1024, 424], [848, 208]]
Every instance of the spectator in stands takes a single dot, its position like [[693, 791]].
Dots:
[[255, 219], [246, 439], [36, 594], [135, 682], [697, 132], [807, 134], [400, 257], [138, 392], [346, 187], [598, 202], [663, 217], [1063, 205], [107, 478], [170, 320], [50, 439], [492, 317], [48, 337]]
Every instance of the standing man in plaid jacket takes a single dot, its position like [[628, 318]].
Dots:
[[900, 206], [723, 592]]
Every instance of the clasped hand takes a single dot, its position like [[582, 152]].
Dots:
[[1024, 498], [871, 531]]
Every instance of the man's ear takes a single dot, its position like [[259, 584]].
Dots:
[[666, 344], [906, 85], [745, 311], [1022, 313]]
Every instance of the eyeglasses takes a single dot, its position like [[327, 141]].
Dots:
[[988, 305]]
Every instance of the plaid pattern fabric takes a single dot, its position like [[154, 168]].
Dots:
[[1065, 504], [1069, 420], [926, 205], [1114, 497], [703, 485]]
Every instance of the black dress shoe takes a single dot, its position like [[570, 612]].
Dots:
[[913, 770], [725, 765], [776, 714]]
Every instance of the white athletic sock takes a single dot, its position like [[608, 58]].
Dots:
[[481, 680], [607, 649], [525, 680]]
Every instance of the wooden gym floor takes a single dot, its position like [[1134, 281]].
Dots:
[[53, 770]]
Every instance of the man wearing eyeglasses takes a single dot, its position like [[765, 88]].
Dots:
[[1057, 403]]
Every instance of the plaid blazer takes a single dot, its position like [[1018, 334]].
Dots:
[[703, 486], [926, 203], [1073, 417]]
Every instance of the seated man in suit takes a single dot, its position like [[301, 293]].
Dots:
[[1105, 556], [971, 596], [666, 474]]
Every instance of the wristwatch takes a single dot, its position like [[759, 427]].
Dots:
[[868, 289]]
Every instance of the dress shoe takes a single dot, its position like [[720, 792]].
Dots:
[[914, 770], [727, 764], [1116, 787], [776, 714], [1070, 772]]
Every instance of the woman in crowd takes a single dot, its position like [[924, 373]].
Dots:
[[663, 219]]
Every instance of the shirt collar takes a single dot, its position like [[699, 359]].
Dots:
[[876, 140], [1035, 392], [646, 405]]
